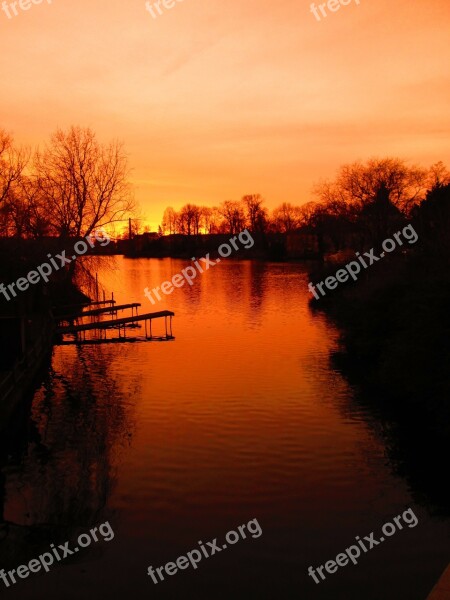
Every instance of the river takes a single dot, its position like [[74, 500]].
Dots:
[[242, 416]]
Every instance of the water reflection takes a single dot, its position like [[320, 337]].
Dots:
[[58, 478], [417, 445], [241, 417]]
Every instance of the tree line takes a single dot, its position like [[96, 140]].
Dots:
[[70, 187], [364, 194], [74, 184]]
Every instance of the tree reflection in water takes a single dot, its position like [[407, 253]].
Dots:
[[60, 469]]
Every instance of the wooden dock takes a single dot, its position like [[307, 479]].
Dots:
[[85, 304], [121, 325], [76, 325], [99, 311], [441, 590]]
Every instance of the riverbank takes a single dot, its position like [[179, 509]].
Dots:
[[20, 379], [27, 328], [395, 326], [301, 244]]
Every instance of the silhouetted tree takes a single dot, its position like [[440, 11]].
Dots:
[[286, 218], [256, 214], [84, 183], [438, 175], [433, 221], [169, 221], [358, 184], [189, 219], [233, 215], [12, 164]]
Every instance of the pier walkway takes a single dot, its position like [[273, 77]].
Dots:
[[99, 311], [120, 325]]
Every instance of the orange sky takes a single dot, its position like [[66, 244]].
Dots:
[[217, 99]]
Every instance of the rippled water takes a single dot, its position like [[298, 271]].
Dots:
[[241, 416]]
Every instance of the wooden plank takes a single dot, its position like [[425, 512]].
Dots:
[[84, 304], [114, 322], [100, 303], [98, 311], [121, 340]]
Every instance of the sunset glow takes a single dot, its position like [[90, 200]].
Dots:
[[215, 100], [224, 292]]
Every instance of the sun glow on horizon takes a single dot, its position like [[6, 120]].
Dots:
[[214, 101]]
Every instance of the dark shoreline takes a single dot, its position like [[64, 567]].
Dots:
[[394, 350], [27, 332]]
